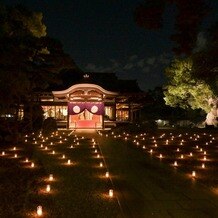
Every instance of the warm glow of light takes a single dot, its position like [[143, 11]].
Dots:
[[205, 158], [15, 155], [51, 177], [175, 164], [14, 148], [182, 156], [107, 174], [46, 148], [32, 165], [205, 152], [191, 154], [96, 151], [39, 211], [3, 153], [26, 160], [203, 165], [53, 152], [160, 156], [151, 151], [68, 162], [111, 193], [193, 174], [101, 164], [63, 156], [98, 156], [48, 188]]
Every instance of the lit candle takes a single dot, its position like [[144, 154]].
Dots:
[[15, 155], [160, 156], [107, 174], [193, 174], [32, 164], [48, 188], [98, 156], [175, 163], [182, 156], [68, 162], [26, 160], [101, 164], [205, 158], [151, 151], [63, 156], [111, 193], [51, 177], [53, 152], [14, 148], [96, 151], [191, 154], [203, 165], [39, 211], [3, 153]]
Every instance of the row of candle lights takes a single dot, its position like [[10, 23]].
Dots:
[[140, 140]]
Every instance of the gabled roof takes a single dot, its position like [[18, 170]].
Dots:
[[83, 86]]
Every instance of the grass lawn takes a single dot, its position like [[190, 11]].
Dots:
[[78, 190], [142, 174]]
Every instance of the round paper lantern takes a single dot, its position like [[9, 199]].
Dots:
[[76, 109], [94, 109]]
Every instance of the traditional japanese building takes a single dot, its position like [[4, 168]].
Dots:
[[91, 104]]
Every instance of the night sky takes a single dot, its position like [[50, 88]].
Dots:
[[101, 36]]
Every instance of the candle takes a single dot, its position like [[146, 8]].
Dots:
[[39, 210], [111, 193]]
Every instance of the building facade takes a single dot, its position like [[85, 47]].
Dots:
[[88, 105]]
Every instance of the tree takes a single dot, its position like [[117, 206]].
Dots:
[[29, 59], [187, 91], [188, 20]]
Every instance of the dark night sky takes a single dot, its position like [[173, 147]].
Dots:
[[101, 36]]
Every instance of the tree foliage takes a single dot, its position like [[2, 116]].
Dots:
[[188, 20], [29, 59], [185, 90]]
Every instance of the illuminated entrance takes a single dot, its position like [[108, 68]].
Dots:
[[85, 114], [87, 105]]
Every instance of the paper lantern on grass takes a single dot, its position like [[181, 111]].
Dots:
[[51, 178], [48, 188], [111, 193], [193, 174], [39, 210], [107, 174]]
